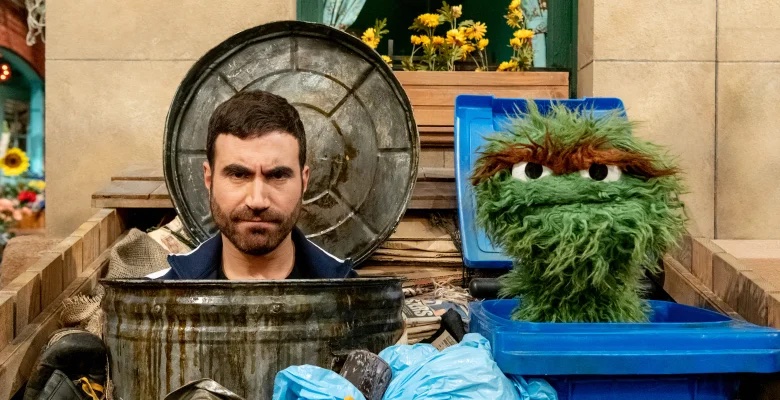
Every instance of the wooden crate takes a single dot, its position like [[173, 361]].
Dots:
[[433, 93], [31, 304]]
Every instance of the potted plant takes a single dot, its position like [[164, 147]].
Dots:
[[444, 43]]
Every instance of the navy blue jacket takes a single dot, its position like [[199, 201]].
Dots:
[[311, 262]]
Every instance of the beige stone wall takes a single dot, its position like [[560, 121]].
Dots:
[[703, 77], [113, 67]]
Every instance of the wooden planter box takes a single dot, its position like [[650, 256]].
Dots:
[[432, 95]]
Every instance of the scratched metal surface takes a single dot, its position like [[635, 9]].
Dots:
[[164, 334], [363, 144]]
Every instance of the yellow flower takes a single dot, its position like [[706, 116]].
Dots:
[[455, 37], [507, 66], [478, 31], [514, 5], [524, 34], [388, 60], [425, 40], [429, 20], [517, 14], [515, 43], [466, 49], [482, 44], [369, 37], [457, 11], [416, 40], [438, 41], [37, 185], [15, 162]]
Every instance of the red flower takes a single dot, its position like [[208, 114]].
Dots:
[[26, 196]]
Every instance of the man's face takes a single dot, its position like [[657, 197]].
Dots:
[[256, 189]]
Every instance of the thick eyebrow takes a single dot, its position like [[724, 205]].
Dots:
[[568, 159], [281, 170], [236, 169]]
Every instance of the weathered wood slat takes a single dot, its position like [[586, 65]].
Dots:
[[6, 318], [49, 267], [444, 78], [702, 252], [445, 95], [26, 292], [139, 173], [687, 289], [18, 358]]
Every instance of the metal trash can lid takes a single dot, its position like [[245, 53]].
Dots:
[[363, 144]]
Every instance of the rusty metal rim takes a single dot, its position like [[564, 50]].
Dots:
[[207, 283]]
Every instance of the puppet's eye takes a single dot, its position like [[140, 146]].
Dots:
[[526, 171], [601, 172]]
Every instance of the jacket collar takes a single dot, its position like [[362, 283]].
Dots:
[[314, 262]]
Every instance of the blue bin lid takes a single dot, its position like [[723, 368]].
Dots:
[[475, 118], [678, 340]]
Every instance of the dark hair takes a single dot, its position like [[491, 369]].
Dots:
[[254, 113]]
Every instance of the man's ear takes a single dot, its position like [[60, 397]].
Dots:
[[305, 177], [207, 174]]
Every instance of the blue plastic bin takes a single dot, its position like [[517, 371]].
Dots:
[[682, 353], [476, 117]]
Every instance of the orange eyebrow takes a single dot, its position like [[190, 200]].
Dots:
[[568, 159]]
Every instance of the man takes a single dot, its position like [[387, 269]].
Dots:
[[256, 175]]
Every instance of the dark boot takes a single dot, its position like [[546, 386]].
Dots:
[[72, 366]]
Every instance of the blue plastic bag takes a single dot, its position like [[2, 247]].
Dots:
[[307, 382], [534, 389], [401, 357], [463, 371]]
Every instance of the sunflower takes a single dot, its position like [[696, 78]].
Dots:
[[508, 66], [482, 44], [428, 20], [370, 38], [388, 60], [456, 37], [478, 31], [15, 162], [523, 34]]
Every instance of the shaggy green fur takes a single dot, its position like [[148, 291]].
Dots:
[[580, 246]]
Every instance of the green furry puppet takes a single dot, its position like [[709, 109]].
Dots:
[[583, 207]]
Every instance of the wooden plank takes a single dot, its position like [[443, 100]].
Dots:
[[741, 288], [127, 190], [702, 253], [26, 291], [131, 203], [434, 196], [748, 249], [160, 193], [139, 173], [683, 252], [687, 289], [89, 232], [70, 251], [18, 358], [49, 266], [436, 174], [445, 95], [6, 319], [445, 78]]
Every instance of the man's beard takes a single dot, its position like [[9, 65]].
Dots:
[[256, 242]]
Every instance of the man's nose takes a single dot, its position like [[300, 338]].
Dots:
[[257, 197]]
